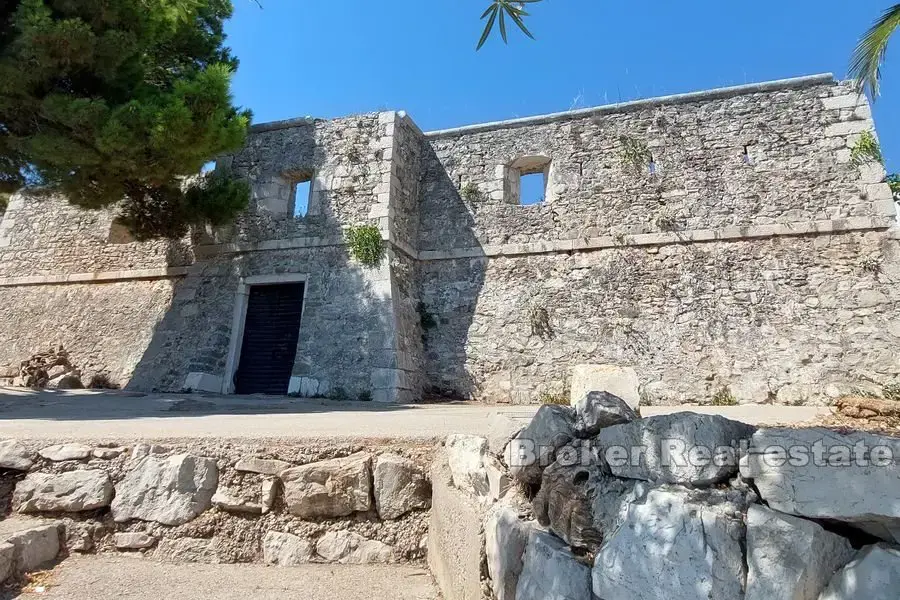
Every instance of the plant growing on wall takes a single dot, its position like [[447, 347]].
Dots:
[[634, 153], [365, 244], [866, 150], [539, 319], [470, 192]]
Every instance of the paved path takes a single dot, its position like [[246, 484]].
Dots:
[[134, 578], [92, 415]]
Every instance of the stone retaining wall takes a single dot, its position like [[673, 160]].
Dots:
[[227, 501], [593, 501]]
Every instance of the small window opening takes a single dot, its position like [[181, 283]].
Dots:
[[208, 167], [652, 165], [302, 191], [748, 160], [532, 188]]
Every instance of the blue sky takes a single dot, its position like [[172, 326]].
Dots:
[[328, 58]]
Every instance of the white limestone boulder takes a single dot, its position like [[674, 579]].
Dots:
[[263, 466], [286, 549], [790, 558], [551, 572], [61, 452], [329, 488], [620, 381], [534, 448], [682, 448], [72, 491], [674, 544], [36, 546], [597, 410], [15, 456], [505, 536], [133, 540], [347, 547], [873, 574], [7, 560], [169, 490], [501, 429], [400, 486], [230, 501], [820, 474], [466, 456]]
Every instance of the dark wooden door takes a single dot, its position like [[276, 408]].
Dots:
[[271, 331]]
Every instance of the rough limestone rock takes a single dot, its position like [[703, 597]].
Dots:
[[466, 455], [833, 485], [286, 549], [564, 504], [36, 546], [874, 574], [107, 453], [268, 493], [330, 488], [73, 491], [620, 381], [186, 550], [550, 571], [263, 466], [674, 544], [7, 560], [169, 490], [61, 452], [133, 540], [505, 536], [498, 479], [534, 448], [228, 501], [790, 558], [400, 486], [597, 410], [685, 448], [350, 548], [15, 456]]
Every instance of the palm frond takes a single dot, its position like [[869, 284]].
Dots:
[[865, 64], [515, 9]]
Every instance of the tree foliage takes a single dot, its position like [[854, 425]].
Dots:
[[112, 101]]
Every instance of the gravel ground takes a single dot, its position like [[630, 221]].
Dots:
[[115, 578]]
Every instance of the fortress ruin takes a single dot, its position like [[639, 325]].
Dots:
[[720, 240]]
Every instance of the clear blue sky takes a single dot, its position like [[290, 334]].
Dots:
[[328, 58]]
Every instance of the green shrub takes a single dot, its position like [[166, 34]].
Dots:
[[366, 245], [548, 398], [866, 150]]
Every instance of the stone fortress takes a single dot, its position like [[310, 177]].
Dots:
[[720, 242]]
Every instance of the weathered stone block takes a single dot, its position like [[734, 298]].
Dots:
[[874, 574], [505, 536], [61, 452], [346, 547], [15, 456], [465, 456], [597, 410], [687, 448], [72, 491], [534, 448], [551, 572], [286, 549], [330, 488], [674, 546], [263, 466], [400, 486], [790, 558], [820, 474], [171, 491], [619, 381], [133, 540]]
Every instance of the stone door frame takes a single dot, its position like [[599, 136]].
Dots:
[[239, 318]]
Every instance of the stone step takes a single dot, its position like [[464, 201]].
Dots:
[[27, 544]]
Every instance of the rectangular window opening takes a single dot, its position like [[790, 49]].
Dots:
[[652, 165], [302, 190], [532, 188], [748, 160]]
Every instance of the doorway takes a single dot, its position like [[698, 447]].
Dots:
[[271, 332]]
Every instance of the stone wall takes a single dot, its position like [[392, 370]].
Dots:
[[722, 241], [274, 501]]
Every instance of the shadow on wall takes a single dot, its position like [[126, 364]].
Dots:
[[449, 289]]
